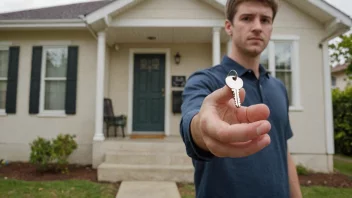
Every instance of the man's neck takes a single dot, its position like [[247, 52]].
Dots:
[[246, 61]]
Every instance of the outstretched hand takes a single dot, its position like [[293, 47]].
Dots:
[[228, 131]]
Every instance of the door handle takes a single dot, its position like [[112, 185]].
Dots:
[[163, 91]]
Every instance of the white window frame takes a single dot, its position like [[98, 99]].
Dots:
[[4, 48], [42, 111], [295, 66]]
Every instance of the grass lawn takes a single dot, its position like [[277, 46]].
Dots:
[[68, 188], [187, 191], [343, 165]]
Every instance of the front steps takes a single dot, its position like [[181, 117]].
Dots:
[[148, 160]]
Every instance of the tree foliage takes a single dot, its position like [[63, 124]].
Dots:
[[342, 52]]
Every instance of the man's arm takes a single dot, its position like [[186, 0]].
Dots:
[[295, 189]]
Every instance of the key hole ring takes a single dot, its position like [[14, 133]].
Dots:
[[235, 76]]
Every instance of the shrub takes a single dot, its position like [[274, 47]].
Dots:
[[62, 147], [52, 152], [41, 153], [342, 115], [301, 170]]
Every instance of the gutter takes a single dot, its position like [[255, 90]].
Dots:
[[82, 17], [40, 23]]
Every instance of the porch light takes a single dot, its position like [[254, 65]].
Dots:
[[177, 58]]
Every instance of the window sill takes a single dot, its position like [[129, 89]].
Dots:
[[52, 115], [296, 109], [3, 114]]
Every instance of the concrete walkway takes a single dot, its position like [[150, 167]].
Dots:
[[148, 189]]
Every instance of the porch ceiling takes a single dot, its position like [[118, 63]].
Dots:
[[162, 35]]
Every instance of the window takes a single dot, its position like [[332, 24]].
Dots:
[[280, 58], [53, 81], [4, 61], [333, 81]]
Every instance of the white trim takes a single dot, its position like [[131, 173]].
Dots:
[[108, 9], [43, 25], [38, 21], [3, 112], [5, 43], [332, 11], [329, 125], [167, 118], [295, 66], [168, 23], [61, 43], [42, 111], [52, 114]]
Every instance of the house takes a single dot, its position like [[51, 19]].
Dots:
[[339, 78], [59, 63]]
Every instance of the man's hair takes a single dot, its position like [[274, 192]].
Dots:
[[232, 5]]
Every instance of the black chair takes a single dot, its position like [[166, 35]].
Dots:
[[111, 120]]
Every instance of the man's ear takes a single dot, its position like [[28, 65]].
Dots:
[[228, 27]]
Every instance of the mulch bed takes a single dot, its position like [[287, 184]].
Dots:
[[27, 172]]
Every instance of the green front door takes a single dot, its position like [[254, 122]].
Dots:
[[148, 93]]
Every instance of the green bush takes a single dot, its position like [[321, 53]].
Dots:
[[47, 154], [41, 153], [301, 170], [342, 108]]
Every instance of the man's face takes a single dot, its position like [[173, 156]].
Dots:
[[252, 27]]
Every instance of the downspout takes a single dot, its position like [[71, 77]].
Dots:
[[88, 26]]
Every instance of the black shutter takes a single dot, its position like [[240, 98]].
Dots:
[[71, 84], [12, 78], [35, 79]]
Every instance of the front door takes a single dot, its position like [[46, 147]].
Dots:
[[148, 93]]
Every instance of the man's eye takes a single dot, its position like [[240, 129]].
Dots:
[[265, 21], [245, 18]]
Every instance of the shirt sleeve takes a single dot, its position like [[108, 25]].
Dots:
[[196, 89]]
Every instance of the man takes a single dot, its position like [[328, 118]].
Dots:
[[240, 152]]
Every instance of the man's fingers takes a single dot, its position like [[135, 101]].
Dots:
[[232, 150], [253, 113], [225, 133]]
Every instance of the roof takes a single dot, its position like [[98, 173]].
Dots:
[[339, 68], [71, 11]]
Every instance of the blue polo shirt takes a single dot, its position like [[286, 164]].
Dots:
[[264, 174]]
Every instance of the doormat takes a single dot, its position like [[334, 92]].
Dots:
[[147, 136]]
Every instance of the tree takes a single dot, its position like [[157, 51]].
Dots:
[[342, 52]]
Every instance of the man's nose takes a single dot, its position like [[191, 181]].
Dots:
[[257, 25]]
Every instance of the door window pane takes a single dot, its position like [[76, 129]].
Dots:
[[264, 59]]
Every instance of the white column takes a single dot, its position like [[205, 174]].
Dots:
[[229, 46], [99, 135], [216, 45], [329, 125]]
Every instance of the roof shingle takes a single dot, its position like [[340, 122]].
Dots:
[[71, 11]]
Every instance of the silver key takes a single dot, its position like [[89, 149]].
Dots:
[[235, 83]]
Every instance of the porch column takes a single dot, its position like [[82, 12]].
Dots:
[[229, 46], [99, 135], [216, 46]]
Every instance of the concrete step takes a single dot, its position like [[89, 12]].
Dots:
[[148, 158], [108, 172], [144, 146]]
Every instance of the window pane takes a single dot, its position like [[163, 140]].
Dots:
[[4, 61], [283, 53], [286, 78], [264, 59], [56, 62], [3, 87], [55, 95]]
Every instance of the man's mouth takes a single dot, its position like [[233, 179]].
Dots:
[[255, 39]]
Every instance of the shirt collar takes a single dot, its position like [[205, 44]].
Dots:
[[230, 64]]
